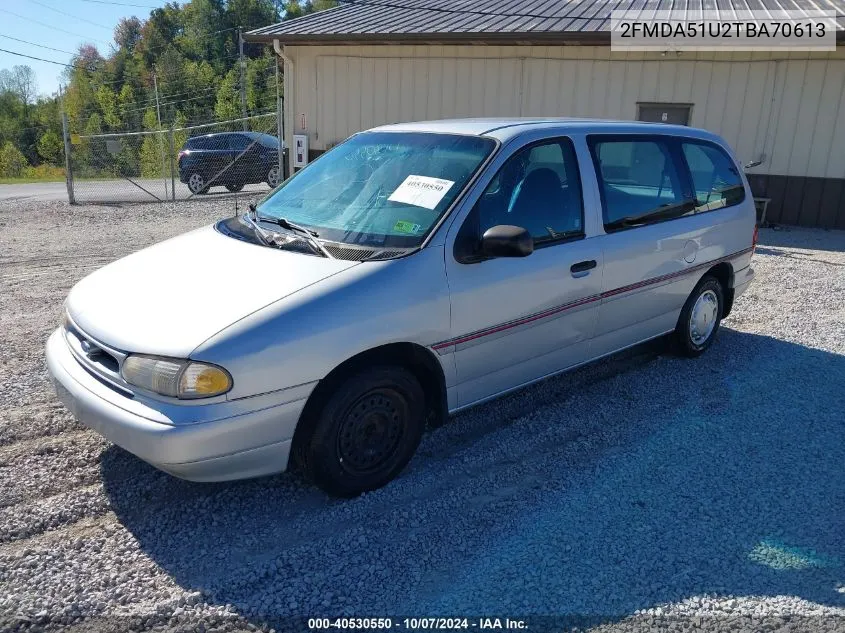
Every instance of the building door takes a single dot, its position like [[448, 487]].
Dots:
[[677, 114]]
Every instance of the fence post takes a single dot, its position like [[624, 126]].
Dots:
[[172, 166], [68, 171]]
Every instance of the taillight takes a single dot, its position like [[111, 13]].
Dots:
[[181, 154], [754, 239]]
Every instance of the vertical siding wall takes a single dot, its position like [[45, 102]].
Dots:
[[786, 107]]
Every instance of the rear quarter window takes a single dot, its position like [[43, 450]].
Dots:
[[715, 177]]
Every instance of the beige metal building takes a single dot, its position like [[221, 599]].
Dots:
[[365, 64]]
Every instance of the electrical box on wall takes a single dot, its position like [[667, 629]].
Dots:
[[300, 150]]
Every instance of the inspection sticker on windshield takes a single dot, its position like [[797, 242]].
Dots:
[[403, 226], [421, 191]]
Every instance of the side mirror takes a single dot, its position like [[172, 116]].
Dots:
[[505, 240]]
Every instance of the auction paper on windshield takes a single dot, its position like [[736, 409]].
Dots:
[[421, 191]]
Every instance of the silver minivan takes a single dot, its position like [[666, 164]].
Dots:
[[410, 272]]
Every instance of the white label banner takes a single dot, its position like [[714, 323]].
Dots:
[[421, 191]]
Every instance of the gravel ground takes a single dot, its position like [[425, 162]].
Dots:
[[644, 491]]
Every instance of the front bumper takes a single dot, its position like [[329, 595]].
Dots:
[[237, 439]]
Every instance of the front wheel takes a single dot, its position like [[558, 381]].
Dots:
[[367, 431], [700, 318], [273, 177]]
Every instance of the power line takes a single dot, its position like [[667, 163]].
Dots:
[[50, 61], [71, 15], [49, 48], [149, 103], [50, 26], [123, 4], [40, 59], [162, 103]]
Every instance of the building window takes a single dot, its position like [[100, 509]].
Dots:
[[675, 113]]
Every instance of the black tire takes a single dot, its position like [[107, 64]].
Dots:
[[367, 431], [689, 338], [235, 188]]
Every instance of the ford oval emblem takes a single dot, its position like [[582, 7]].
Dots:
[[88, 349]]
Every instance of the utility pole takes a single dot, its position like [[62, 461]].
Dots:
[[242, 64], [160, 143]]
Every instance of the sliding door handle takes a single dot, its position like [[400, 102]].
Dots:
[[582, 268]]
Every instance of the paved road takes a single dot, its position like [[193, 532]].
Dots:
[[36, 190], [121, 190]]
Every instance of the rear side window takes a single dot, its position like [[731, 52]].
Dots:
[[239, 142], [268, 141], [715, 178], [640, 182]]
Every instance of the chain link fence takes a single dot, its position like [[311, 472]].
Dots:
[[179, 163]]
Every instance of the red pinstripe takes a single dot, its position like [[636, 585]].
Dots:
[[574, 304]]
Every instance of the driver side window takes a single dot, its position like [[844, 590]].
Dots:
[[539, 189]]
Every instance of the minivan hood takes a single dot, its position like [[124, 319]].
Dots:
[[169, 298]]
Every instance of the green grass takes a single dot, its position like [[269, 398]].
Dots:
[[23, 181]]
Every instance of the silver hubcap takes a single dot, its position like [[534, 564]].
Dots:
[[703, 317], [273, 177], [195, 182]]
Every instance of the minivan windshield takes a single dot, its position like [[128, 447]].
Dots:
[[379, 188]]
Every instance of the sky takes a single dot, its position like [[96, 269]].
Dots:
[[63, 25]]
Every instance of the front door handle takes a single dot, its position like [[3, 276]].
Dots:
[[582, 268]]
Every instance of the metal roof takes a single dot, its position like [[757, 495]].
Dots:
[[575, 21]]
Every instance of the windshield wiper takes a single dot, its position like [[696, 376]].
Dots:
[[259, 232], [310, 235]]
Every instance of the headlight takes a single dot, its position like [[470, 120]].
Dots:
[[176, 378]]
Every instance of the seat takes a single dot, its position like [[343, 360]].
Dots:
[[539, 203]]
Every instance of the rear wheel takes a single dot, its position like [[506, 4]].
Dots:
[[700, 318], [235, 188], [197, 184], [367, 431]]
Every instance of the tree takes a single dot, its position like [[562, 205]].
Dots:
[[191, 45], [322, 5], [50, 147], [127, 33], [88, 58], [107, 101], [250, 14], [152, 147], [228, 104], [20, 81], [12, 161]]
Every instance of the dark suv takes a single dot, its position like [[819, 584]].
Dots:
[[229, 159]]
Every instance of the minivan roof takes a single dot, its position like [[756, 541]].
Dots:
[[510, 127]]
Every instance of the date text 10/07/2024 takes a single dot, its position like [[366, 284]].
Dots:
[[416, 624]]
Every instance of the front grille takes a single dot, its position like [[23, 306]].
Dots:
[[100, 360]]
